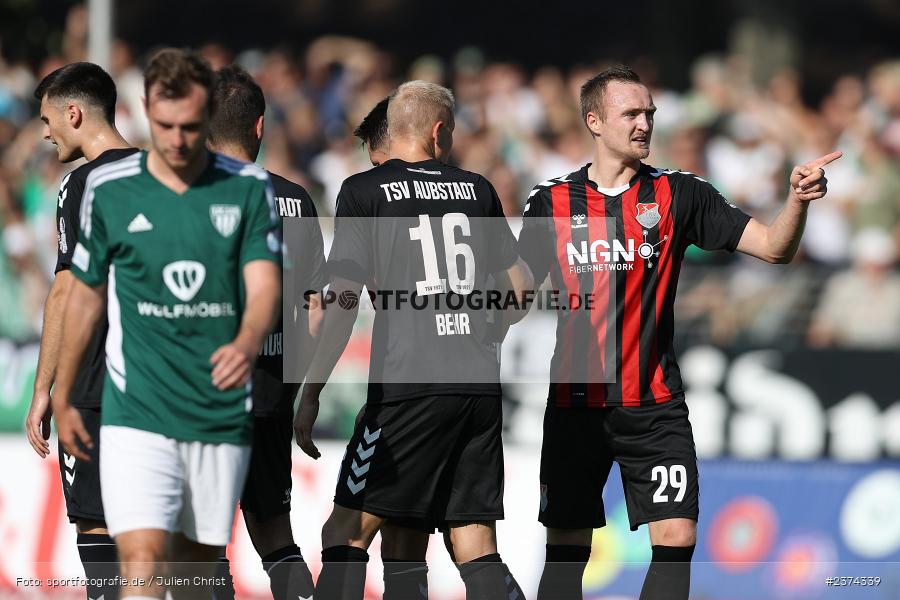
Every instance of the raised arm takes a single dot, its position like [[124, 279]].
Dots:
[[778, 242]]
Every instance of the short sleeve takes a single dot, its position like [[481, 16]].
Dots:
[[91, 255], [315, 272], [536, 238], [504, 249], [262, 231], [67, 204], [712, 222], [351, 250]]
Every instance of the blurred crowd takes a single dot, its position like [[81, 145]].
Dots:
[[520, 127]]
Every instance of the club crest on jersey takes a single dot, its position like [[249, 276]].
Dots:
[[648, 214], [578, 221], [225, 218]]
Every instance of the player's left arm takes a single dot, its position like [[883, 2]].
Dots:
[[512, 275], [260, 260], [779, 241], [233, 362], [336, 329], [350, 266], [312, 279]]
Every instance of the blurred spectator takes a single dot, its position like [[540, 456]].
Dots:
[[745, 166], [860, 307], [519, 127]]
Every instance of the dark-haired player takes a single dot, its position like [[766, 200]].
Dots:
[[236, 130], [182, 248], [616, 231], [428, 446], [78, 103]]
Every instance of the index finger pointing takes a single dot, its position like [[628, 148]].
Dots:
[[824, 160]]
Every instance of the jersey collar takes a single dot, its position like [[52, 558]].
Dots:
[[581, 176]]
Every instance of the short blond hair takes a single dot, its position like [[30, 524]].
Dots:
[[416, 106]]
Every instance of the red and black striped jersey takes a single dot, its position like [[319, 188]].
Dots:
[[614, 258]]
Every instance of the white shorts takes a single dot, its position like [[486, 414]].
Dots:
[[150, 481]]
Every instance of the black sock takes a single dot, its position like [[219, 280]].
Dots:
[[669, 575], [405, 579], [513, 590], [101, 565], [563, 570], [289, 576], [223, 588], [484, 578], [343, 575]]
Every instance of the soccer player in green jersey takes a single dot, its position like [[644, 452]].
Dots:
[[185, 246]]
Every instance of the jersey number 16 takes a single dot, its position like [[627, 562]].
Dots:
[[433, 282]]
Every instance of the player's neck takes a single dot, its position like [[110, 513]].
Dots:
[[233, 151], [101, 140], [612, 172], [410, 151], [177, 180]]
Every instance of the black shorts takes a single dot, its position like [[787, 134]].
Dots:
[[654, 446], [81, 479], [432, 459], [267, 492]]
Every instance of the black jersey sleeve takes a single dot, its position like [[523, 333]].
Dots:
[[711, 222], [351, 250], [503, 246], [536, 238], [314, 272], [68, 206]]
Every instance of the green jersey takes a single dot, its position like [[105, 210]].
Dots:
[[173, 264]]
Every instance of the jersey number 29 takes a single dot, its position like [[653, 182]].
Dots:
[[676, 474]]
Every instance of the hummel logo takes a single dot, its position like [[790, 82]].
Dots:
[[365, 453], [69, 461], [360, 470], [355, 488], [362, 467], [139, 223], [371, 437]]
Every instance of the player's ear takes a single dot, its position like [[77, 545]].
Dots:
[[593, 122], [436, 133], [74, 115], [260, 126]]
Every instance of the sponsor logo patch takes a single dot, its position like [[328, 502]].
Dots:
[[184, 278]]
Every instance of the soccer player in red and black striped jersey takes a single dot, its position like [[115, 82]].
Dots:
[[612, 237]]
